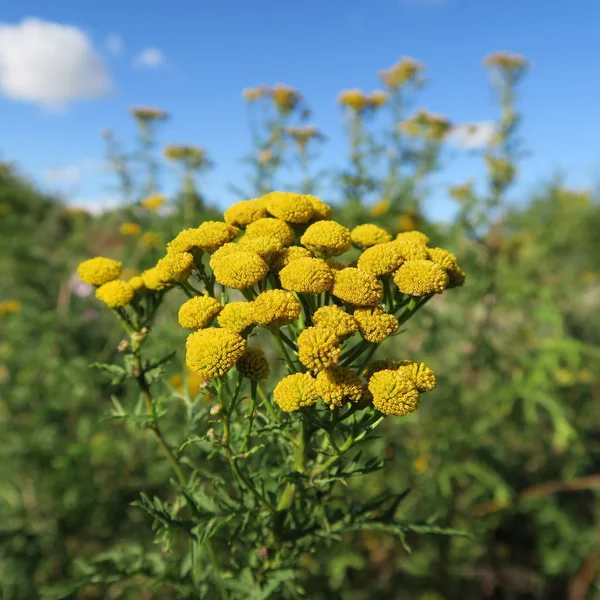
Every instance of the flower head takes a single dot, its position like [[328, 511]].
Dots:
[[296, 391], [409, 249], [423, 377], [285, 97], [150, 239], [241, 269], [321, 211], [289, 206], [175, 265], [404, 71], [136, 282], [269, 227], [327, 237], [381, 259], [153, 202], [442, 257], [357, 287], [338, 385], [457, 277], [10, 306], [380, 208], [421, 277], [245, 212], [264, 246], [130, 229], [307, 276], [284, 257], [381, 365], [198, 312], [337, 319], [209, 236], [393, 393], [154, 279], [99, 270], [253, 364], [237, 316], [367, 235], [256, 93], [275, 308], [212, 352], [319, 348], [414, 236], [115, 294], [375, 325]]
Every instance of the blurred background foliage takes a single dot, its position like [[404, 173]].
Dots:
[[506, 449]]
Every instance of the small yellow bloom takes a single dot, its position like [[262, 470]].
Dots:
[[175, 266], [9, 306], [333, 317], [393, 394], [423, 377], [442, 257], [209, 236], [421, 464], [275, 228], [253, 364], [153, 202], [380, 208], [148, 113], [357, 287], [506, 60], [264, 246], [285, 97], [327, 237], [212, 352], [253, 94], [338, 385], [289, 206], [245, 212], [354, 99], [307, 276], [421, 277], [265, 157], [407, 222], [150, 239], [99, 270], [198, 312], [240, 269], [275, 308], [296, 391], [154, 279], [115, 294], [237, 316], [319, 348], [404, 71], [367, 235], [381, 365], [284, 257], [136, 282], [410, 249], [382, 259], [223, 252], [414, 236], [321, 211], [375, 325], [130, 229]]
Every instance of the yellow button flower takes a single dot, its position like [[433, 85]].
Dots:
[[295, 391], [333, 317], [130, 229], [423, 377], [442, 257], [410, 249], [275, 308], [338, 385], [367, 235], [198, 312], [357, 287], [154, 279], [209, 236], [253, 364], [321, 211], [153, 202], [99, 270], [285, 256], [115, 294], [319, 348], [223, 252], [241, 269], [264, 246], [245, 212], [375, 325], [136, 282], [288, 206], [381, 365], [212, 352], [175, 266], [237, 316], [421, 277], [327, 237], [150, 239], [381, 259], [269, 227], [393, 394], [414, 236], [307, 276], [10, 306]]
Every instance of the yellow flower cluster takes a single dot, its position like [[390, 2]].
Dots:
[[9, 306], [426, 125], [130, 229], [506, 61], [147, 114], [406, 70], [193, 157], [153, 202], [359, 102], [303, 134], [99, 270]]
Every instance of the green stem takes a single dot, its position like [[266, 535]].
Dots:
[[253, 386], [290, 364], [334, 459]]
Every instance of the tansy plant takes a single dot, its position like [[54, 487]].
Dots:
[[271, 441]]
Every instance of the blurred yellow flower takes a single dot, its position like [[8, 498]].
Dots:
[[255, 93], [150, 239], [10, 306], [406, 70], [153, 202], [285, 97], [147, 114], [130, 229], [380, 208]]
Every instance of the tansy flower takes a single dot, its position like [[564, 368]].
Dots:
[[287, 255], [253, 364], [136, 282], [269, 227], [333, 317], [307, 276], [327, 237], [375, 325], [409, 249], [442, 257], [153, 202], [266, 156], [357, 287], [506, 60], [198, 312], [338, 385], [223, 252], [148, 113], [99, 270], [407, 222], [212, 352], [241, 269], [421, 277], [9, 306], [414, 236], [378, 98], [319, 348], [253, 94], [367, 235], [154, 279], [130, 229], [393, 393], [237, 316], [381, 259], [115, 294], [150, 239], [275, 308], [209, 236], [405, 70], [296, 391], [175, 266], [264, 246], [245, 212], [380, 208], [321, 211], [285, 97], [381, 365], [354, 99], [288, 206], [423, 377]]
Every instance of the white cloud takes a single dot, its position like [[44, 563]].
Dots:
[[72, 176], [50, 64], [150, 58], [96, 205], [114, 44], [472, 136]]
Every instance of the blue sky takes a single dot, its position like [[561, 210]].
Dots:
[[212, 50]]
